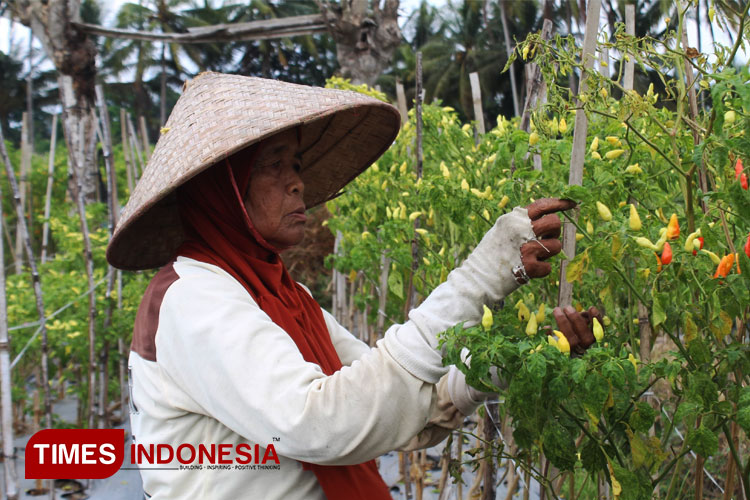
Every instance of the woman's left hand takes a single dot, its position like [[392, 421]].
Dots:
[[546, 225], [577, 326]]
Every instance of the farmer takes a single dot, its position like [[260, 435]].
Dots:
[[229, 351]]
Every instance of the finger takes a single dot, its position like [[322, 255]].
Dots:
[[564, 325], [537, 269], [540, 249], [580, 325], [547, 226], [544, 206]]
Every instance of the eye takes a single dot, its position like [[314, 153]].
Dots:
[[297, 166]]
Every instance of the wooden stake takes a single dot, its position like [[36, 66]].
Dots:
[[77, 193], [6, 385], [604, 61], [385, 267], [627, 81], [36, 281], [126, 149], [579, 146], [476, 96], [536, 83], [135, 148], [23, 182], [401, 98], [490, 434], [50, 182], [144, 137]]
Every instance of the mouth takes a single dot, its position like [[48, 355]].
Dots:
[[298, 214]]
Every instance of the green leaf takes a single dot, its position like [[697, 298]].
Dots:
[[743, 419], [702, 441], [596, 391], [396, 284], [592, 458], [577, 370], [642, 417], [559, 446], [658, 315], [575, 269]]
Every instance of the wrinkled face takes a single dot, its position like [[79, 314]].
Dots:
[[274, 198]]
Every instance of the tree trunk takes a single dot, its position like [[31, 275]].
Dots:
[[365, 38], [73, 55]]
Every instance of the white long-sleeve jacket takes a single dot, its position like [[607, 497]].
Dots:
[[209, 367]]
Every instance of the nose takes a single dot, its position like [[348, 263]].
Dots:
[[296, 185]]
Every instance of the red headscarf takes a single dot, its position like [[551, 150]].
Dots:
[[220, 232]]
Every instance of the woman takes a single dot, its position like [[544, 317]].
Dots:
[[229, 350]]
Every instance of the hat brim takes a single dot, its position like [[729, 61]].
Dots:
[[340, 137]]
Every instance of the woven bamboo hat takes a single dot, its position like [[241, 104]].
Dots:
[[341, 134]]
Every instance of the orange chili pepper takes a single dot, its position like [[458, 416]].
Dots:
[[725, 266], [666, 254], [658, 262], [673, 228]]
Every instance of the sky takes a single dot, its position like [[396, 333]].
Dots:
[[17, 35]]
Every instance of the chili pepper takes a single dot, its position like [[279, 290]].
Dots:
[[615, 153], [730, 116], [635, 220], [725, 266], [743, 181], [594, 144], [666, 254], [523, 312], [689, 241], [563, 127], [540, 314], [645, 242], [697, 244], [747, 246], [596, 155], [604, 212], [714, 258], [662, 239], [673, 228], [634, 169], [613, 140], [632, 359], [561, 342], [658, 262], [598, 330], [486, 318], [533, 139], [531, 326], [738, 168]]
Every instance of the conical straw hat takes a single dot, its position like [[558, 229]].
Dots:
[[342, 133]]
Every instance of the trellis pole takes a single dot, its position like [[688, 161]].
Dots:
[[36, 281], [575, 177], [50, 182], [6, 385]]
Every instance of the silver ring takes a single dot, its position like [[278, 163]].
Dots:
[[519, 274]]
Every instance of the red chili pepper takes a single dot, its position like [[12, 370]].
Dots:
[[743, 181], [666, 254], [699, 238], [747, 246], [738, 168]]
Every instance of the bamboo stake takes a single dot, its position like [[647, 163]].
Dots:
[[36, 281], [23, 178], [627, 81], [385, 267], [124, 392], [579, 146], [135, 148], [6, 386], [144, 137], [126, 149], [476, 97], [113, 208], [535, 83], [77, 194], [401, 99], [50, 182], [490, 434]]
